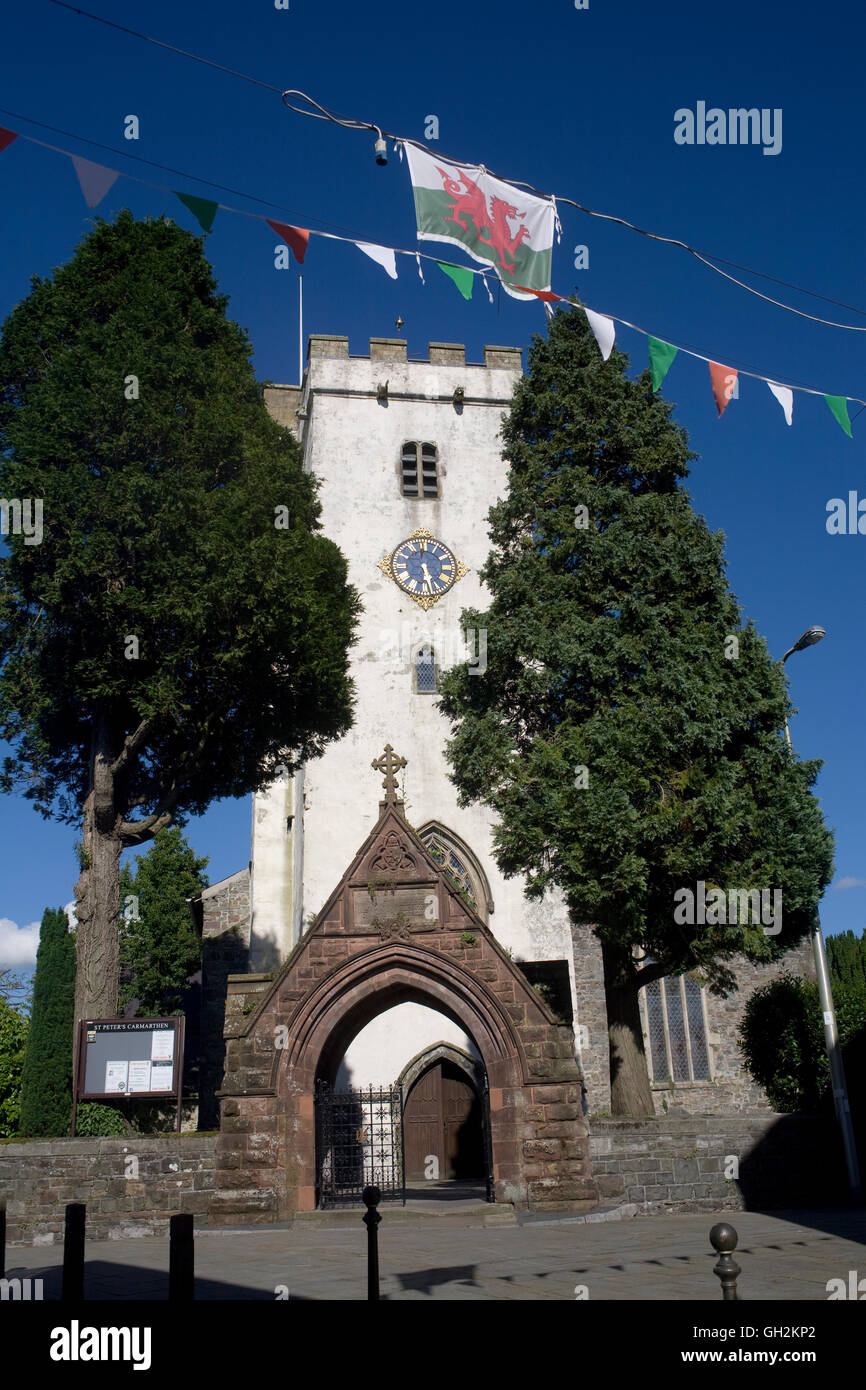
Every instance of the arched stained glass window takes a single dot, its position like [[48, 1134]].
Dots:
[[460, 865]]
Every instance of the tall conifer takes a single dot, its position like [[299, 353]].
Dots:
[[627, 730], [46, 1086]]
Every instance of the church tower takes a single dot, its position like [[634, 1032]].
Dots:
[[409, 461]]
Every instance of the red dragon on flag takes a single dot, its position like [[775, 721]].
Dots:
[[495, 221]]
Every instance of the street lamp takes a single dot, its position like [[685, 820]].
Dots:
[[831, 1033], [808, 639]]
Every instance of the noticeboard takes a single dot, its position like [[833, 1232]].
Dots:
[[138, 1058]]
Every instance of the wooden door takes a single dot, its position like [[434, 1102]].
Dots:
[[442, 1121], [422, 1127], [461, 1125]]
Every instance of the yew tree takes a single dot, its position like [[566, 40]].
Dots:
[[179, 630], [628, 730], [159, 945]]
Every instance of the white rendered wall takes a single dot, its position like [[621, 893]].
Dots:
[[353, 445], [378, 1054]]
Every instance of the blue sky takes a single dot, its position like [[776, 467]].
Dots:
[[578, 103]]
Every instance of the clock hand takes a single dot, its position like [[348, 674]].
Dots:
[[427, 574]]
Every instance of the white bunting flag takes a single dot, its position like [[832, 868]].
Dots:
[[383, 255], [785, 396], [95, 179], [604, 330]]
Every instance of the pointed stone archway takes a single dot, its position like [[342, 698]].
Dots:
[[393, 930]]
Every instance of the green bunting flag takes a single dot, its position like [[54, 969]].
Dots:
[[202, 209], [838, 405], [661, 356], [463, 279]]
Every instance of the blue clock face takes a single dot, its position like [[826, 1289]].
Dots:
[[424, 568]]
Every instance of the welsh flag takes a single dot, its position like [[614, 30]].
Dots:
[[493, 221]]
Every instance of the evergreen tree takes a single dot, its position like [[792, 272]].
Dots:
[[160, 948], [46, 1087], [180, 631], [627, 729], [13, 1040], [846, 957]]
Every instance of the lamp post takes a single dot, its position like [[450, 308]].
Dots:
[[831, 1033]]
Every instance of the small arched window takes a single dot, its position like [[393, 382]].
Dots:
[[425, 671], [419, 470]]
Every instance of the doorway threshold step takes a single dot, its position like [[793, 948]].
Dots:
[[478, 1214]]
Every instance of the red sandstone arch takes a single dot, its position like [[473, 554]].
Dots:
[[362, 989], [347, 993]]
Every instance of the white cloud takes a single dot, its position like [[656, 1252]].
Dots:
[[18, 945], [850, 883]]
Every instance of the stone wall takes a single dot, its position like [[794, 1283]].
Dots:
[[170, 1173], [590, 1018], [225, 909], [679, 1162]]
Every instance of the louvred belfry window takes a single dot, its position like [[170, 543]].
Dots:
[[420, 470]]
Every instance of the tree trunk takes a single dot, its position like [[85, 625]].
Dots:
[[630, 1092], [97, 893]]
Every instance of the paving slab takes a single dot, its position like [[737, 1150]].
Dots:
[[783, 1256]]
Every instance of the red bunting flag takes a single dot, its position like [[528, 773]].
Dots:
[[295, 237], [724, 381], [6, 137], [547, 295]]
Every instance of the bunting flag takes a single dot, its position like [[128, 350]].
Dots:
[[839, 408], [296, 238], [724, 380], [467, 206], [463, 278], [661, 356], [383, 255], [785, 396], [495, 222], [95, 179], [202, 209], [546, 296], [604, 330]]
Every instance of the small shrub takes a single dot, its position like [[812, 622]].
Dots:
[[468, 939], [96, 1121], [782, 1042]]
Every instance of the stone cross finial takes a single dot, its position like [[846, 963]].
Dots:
[[389, 763]]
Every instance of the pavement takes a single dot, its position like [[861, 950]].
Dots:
[[783, 1256]]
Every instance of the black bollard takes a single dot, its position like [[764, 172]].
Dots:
[[2, 1240], [181, 1259], [372, 1197], [723, 1239], [72, 1287]]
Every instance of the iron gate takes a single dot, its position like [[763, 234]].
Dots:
[[359, 1143]]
